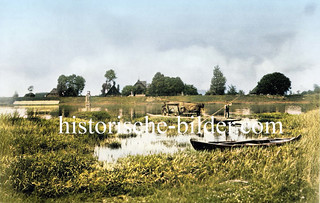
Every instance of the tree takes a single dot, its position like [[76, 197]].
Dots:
[[157, 85], [165, 86], [30, 88], [273, 83], [316, 88], [218, 82], [190, 90], [15, 95], [174, 86], [110, 76], [241, 92], [70, 86], [30, 94], [232, 90], [126, 91]]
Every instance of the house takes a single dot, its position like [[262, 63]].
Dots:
[[54, 93], [140, 88], [113, 91]]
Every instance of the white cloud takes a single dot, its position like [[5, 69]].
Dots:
[[248, 41]]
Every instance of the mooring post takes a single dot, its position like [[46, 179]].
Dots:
[[87, 103]]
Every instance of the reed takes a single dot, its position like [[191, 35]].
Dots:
[[39, 164]]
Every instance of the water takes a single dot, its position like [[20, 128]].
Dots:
[[135, 111], [42, 111], [144, 144], [152, 143], [12, 110], [138, 111]]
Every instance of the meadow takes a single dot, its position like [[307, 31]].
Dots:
[[39, 164]]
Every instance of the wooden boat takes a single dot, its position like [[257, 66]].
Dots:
[[225, 120], [201, 145]]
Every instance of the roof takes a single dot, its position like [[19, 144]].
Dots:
[[113, 91], [144, 83]]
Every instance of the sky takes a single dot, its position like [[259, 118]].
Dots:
[[41, 40]]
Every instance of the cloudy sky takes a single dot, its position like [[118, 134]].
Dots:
[[40, 40]]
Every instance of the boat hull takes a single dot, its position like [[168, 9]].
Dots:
[[201, 145]]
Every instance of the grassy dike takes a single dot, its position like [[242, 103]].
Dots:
[[39, 164], [254, 99]]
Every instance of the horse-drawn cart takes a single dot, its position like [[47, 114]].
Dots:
[[182, 108]]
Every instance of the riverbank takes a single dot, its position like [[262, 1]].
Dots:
[[38, 163], [249, 99]]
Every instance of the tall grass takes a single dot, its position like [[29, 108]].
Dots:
[[39, 164]]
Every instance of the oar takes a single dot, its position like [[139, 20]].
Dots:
[[217, 112], [221, 108]]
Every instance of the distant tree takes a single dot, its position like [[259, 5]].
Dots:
[[232, 90], [157, 85], [175, 86], [218, 82], [241, 92], [110, 76], [165, 86], [30, 88], [190, 90], [126, 91], [15, 95], [316, 88], [70, 86], [273, 83], [30, 94]]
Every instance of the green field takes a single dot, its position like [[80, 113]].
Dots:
[[38, 164]]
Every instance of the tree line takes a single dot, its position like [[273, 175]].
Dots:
[[273, 83]]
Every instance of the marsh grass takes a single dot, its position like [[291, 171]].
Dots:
[[39, 164], [268, 117], [126, 135], [112, 143]]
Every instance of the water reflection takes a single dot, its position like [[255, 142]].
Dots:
[[135, 111], [295, 110]]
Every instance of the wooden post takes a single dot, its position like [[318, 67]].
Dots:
[[87, 103]]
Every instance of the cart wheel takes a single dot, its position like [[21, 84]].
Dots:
[[164, 112]]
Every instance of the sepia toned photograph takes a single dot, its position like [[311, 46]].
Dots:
[[159, 101]]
